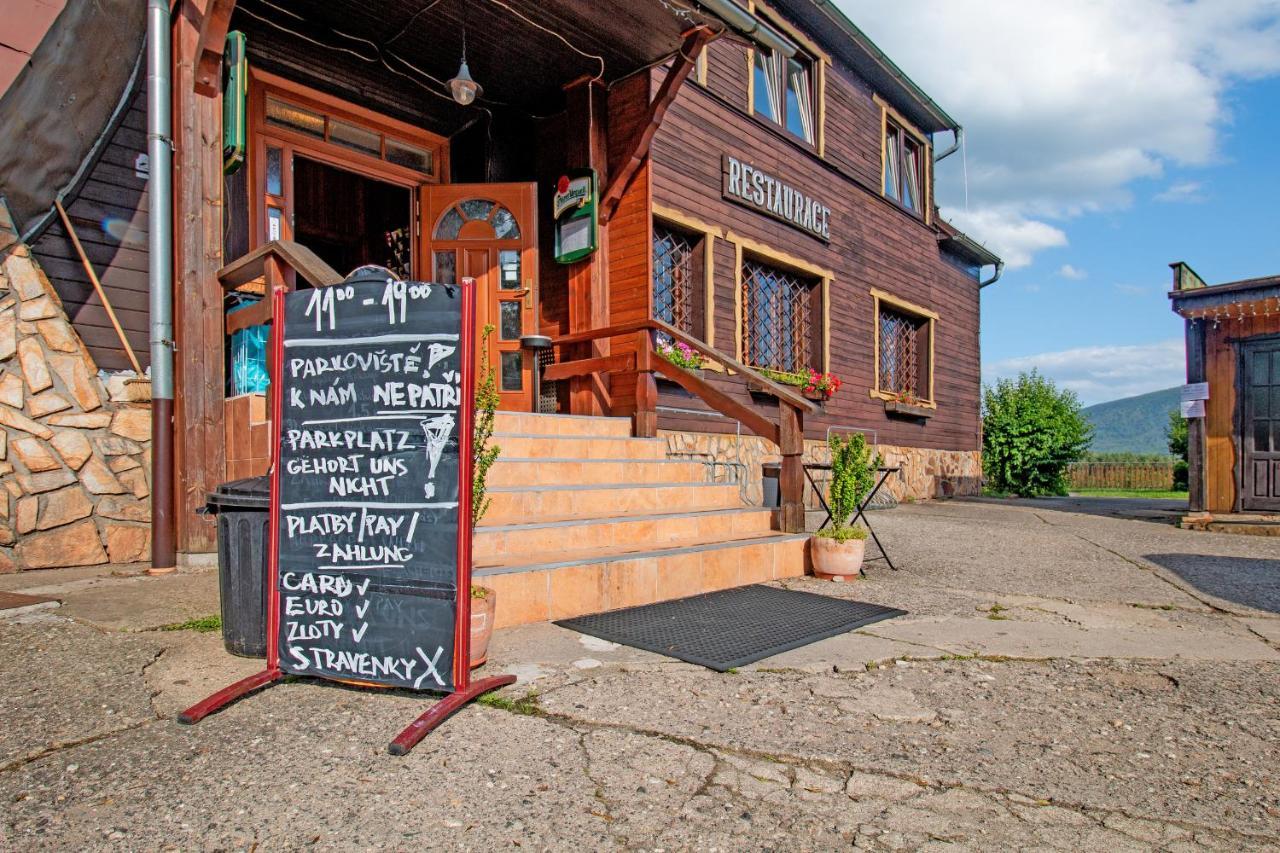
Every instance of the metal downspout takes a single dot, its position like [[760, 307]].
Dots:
[[958, 133], [994, 278], [160, 282]]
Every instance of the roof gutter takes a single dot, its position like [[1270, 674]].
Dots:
[[747, 24], [994, 278]]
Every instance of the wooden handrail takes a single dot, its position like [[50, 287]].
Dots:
[[787, 434], [754, 377], [294, 255]]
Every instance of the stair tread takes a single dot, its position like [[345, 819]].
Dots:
[[548, 560], [595, 518], [587, 486], [553, 437]]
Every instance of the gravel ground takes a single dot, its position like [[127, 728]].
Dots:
[[1141, 711]]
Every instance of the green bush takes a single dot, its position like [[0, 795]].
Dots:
[[1176, 433], [1031, 433]]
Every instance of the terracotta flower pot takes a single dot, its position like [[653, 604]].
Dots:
[[482, 610], [837, 561]]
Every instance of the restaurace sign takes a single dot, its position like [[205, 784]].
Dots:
[[758, 190]]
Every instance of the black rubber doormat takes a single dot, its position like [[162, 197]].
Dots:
[[732, 627]]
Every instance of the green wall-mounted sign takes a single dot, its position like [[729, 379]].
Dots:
[[235, 99], [573, 210]]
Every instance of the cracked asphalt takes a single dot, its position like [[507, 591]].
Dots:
[[1071, 675]]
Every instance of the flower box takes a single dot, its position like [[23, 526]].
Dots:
[[907, 410]]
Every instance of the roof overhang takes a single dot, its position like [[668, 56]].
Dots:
[[829, 26], [1251, 297]]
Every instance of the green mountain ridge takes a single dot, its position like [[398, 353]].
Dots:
[[1133, 424]]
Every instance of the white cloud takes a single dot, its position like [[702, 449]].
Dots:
[[1098, 374], [1065, 105], [1073, 273], [1183, 191]]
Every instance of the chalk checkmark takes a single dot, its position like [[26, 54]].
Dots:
[[357, 634], [361, 610], [361, 587]]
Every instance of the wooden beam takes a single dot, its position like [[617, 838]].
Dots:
[[294, 255], [791, 479], [213, 37], [695, 40], [1196, 439], [586, 366]]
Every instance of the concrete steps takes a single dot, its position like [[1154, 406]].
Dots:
[[585, 518]]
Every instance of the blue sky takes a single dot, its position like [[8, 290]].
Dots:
[[1104, 140]]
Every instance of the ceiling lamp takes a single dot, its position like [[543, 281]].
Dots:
[[463, 89]]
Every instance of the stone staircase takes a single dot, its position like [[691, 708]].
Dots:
[[586, 518]]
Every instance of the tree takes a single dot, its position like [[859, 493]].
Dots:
[[1032, 432], [1176, 433]]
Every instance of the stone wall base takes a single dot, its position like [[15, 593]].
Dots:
[[926, 473], [75, 447]]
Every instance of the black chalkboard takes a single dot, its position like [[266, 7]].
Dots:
[[369, 482]]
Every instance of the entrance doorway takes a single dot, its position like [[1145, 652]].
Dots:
[[1260, 426], [350, 220], [489, 232]]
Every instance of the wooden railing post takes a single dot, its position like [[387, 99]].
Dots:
[[646, 417], [791, 483]]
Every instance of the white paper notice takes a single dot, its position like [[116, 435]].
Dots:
[[1193, 408], [1195, 391]]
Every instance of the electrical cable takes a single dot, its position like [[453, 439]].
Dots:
[[569, 44]]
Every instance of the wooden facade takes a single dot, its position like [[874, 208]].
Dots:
[[877, 251], [1233, 344], [658, 144]]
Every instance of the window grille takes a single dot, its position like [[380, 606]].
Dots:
[[673, 278], [776, 318], [900, 360]]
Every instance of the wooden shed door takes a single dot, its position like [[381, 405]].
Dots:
[[1260, 426], [490, 233]]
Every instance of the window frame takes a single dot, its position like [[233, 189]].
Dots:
[[743, 248], [891, 119], [881, 299], [818, 61], [679, 221]]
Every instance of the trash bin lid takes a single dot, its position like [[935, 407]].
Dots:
[[249, 493]]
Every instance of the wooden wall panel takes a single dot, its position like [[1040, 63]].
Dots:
[[109, 213], [1222, 449], [874, 244]]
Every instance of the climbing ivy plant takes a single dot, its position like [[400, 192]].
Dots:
[[483, 455]]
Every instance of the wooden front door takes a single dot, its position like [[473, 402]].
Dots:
[[489, 232], [1260, 426]]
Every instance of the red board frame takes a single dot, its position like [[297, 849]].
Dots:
[[464, 689]]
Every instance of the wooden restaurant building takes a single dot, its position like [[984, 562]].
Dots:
[[744, 186]]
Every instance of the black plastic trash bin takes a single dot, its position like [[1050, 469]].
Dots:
[[243, 511]]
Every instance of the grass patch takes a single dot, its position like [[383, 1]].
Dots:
[[996, 612], [1157, 494], [202, 624], [526, 705]]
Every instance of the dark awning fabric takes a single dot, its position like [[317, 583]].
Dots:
[[60, 104]]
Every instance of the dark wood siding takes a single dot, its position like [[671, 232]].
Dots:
[[873, 244], [109, 212]]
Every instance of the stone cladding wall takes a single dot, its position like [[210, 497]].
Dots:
[[75, 456], [926, 473]]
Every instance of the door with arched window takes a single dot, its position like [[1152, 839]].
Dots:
[[489, 232]]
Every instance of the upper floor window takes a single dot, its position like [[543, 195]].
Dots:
[[903, 168], [782, 91], [777, 318]]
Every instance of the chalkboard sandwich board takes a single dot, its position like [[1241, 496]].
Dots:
[[371, 490]]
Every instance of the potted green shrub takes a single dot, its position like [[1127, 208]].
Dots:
[[484, 600], [838, 551]]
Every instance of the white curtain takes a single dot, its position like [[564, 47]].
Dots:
[[800, 89], [911, 167], [891, 185]]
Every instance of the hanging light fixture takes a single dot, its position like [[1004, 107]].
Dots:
[[463, 89]]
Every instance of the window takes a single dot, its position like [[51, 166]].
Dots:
[[782, 91], [675, 277], [904, 350], [777, 308], [352, 135], [904, 166]]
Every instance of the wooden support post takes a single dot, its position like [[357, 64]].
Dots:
[[630, 162], [645, 419], [1196, 471], [791, 483], [213, 37]]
